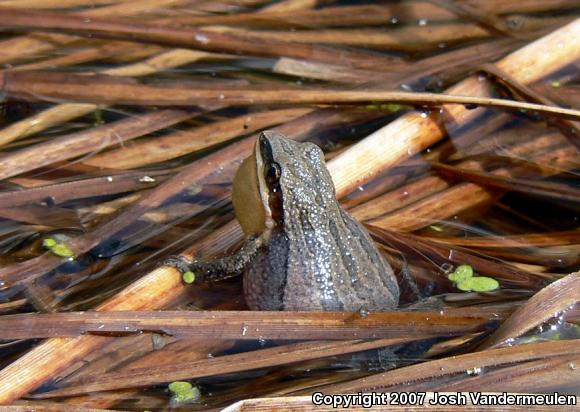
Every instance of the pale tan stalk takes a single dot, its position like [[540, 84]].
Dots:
[[410, 12], [290, 5], [323, 71]]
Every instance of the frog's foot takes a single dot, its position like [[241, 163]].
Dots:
[[184, 265]]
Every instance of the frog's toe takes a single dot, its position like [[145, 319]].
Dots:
[[178, 262]]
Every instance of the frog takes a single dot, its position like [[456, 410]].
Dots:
[[303, 251]]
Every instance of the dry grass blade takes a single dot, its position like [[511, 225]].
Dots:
[[409, 38], [322, 17], [484, 19], [55, 4], [247, 324], [552, 190], [43, 85], [525, 240], [552, 301], [41, 215], [28, 406], [545, 375], [289, 5], [82, 56]]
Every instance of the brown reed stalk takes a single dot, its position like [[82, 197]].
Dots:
[[407, 38], [249, 325], [184, 142]]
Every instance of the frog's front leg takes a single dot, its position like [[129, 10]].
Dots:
[[218, 269]]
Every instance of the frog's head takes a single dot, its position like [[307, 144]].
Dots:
[[280, 174]]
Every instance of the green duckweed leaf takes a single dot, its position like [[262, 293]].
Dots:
[[478, 284], [183, 392], [62, 250], [49, 243], [461, 273]]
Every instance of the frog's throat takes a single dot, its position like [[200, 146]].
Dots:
[[263, 189]]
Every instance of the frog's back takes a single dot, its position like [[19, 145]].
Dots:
[[346, 271], [323, 273]]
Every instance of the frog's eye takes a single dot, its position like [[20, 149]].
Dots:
[[273, 173]]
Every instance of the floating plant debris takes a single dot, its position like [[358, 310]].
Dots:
[[183, 392], [464, 277], [58, 248]]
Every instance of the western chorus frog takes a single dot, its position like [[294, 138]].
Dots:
[[303, 251]]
